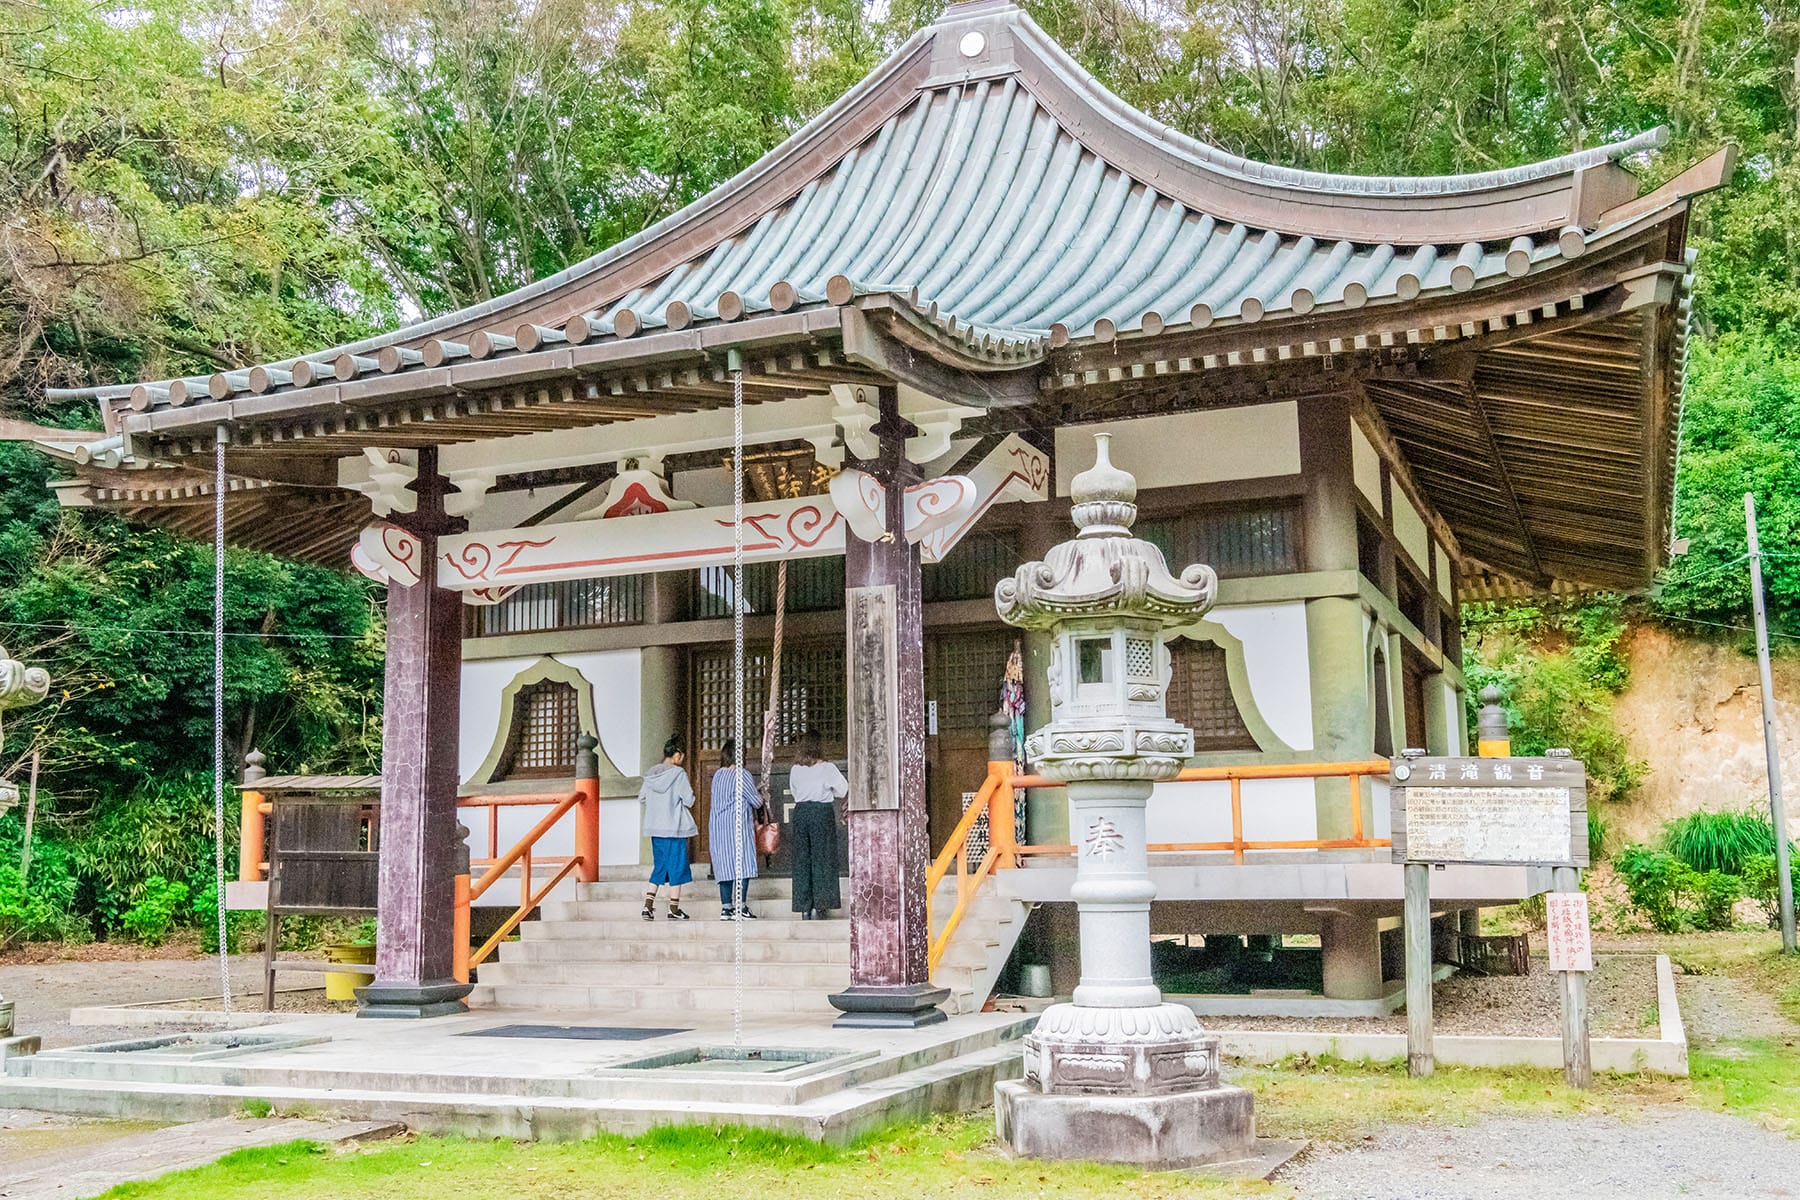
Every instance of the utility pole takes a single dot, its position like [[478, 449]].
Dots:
[[1771, 748]]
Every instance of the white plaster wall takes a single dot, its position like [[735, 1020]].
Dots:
[[614, 676], [1202, 447], [1275, 810], [1453, 717], [1410, 531], [1275, 663], [1365, 465], [1383, 804], [1443, 571]]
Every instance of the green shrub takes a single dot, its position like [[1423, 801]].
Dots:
[[1714, 893], [205, 908], [1654, 880], [1760, 876], [1719, 841], [150, 919], [39, 910]]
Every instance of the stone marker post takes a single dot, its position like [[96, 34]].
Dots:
[[1117, 1075]]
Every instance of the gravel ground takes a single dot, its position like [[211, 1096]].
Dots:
[[1668, 1153], [1621, 1003], [44, 992]]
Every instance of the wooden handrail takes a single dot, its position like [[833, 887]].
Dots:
[[966, 889], [1371, 766], [523, 846], [960, 835], [531, 901], [952, 852], [1351, 772]]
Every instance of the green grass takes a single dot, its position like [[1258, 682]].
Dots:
[[940, 1158]]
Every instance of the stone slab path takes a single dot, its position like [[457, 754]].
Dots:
[[91, 1157]]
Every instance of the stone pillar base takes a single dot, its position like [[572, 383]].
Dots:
[[412, 1000], [1182, 1129], [909, 1007]]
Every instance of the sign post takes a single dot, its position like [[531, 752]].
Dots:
[[1421, 1056], [1571, 957], [1495, 811]]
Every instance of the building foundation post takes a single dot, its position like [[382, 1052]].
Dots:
[[1351, 947]]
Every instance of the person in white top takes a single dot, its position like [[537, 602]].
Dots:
[[817, 786]]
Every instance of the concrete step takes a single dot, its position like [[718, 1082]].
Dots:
[[672, 950], [700, 908], [634, 929], [761, 888], [654, 1002], [942, 1085], [672, 976]]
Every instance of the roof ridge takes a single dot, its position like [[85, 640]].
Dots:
[[1214, 159]]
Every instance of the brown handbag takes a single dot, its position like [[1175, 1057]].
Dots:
[[768, 832]]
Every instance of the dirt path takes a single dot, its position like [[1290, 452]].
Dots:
[[44, 992], [1718, 1008], [1670, 1153]]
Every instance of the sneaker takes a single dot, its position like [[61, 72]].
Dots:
[[675, 913], [649, 913], [744, 914], [726, 914]]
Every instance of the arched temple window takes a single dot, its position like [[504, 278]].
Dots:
[[1200, 697], [541, 743]]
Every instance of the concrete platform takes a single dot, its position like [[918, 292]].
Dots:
[[452, 1075]]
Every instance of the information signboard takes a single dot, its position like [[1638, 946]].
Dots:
[[1566, 924], [1498, 811]]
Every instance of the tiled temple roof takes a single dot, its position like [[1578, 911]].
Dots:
[[984, 182]]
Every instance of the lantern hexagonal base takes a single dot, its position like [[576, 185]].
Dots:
[[1184, 1129]]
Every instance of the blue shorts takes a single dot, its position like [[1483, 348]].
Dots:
[[669, 862]]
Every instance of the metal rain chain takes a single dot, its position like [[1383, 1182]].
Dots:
[[219, 712], [739, 885]]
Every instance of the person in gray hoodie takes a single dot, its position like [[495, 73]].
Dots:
[[668, 801]]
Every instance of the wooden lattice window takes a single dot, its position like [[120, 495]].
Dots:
[[541, 743], [812, 694], [974, 565], [964, 676], [1236, 541], [1200, 697], [814, 585], [565, 604]]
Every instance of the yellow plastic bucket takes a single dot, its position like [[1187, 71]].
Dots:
[[342, 985]]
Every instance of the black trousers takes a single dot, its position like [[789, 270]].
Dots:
[[814, 831]]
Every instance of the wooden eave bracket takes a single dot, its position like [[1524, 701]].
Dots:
[[1707, 175], [880, 350]]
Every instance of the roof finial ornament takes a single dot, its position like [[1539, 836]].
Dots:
[[1105, 497]]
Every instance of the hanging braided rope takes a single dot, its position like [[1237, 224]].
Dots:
[[739, 884], [769, 714], [219, 711]]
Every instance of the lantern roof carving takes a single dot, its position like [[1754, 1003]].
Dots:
[[1104, 572]]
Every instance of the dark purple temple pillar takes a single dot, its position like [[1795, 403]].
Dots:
[[414, 958], [890, 982]]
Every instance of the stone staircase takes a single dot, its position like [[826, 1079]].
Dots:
[[596, 953]]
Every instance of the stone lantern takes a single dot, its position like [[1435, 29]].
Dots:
[[1117, 1075]]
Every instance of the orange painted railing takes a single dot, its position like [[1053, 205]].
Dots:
[[996, 799], [584, 802], [1352, 773]]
